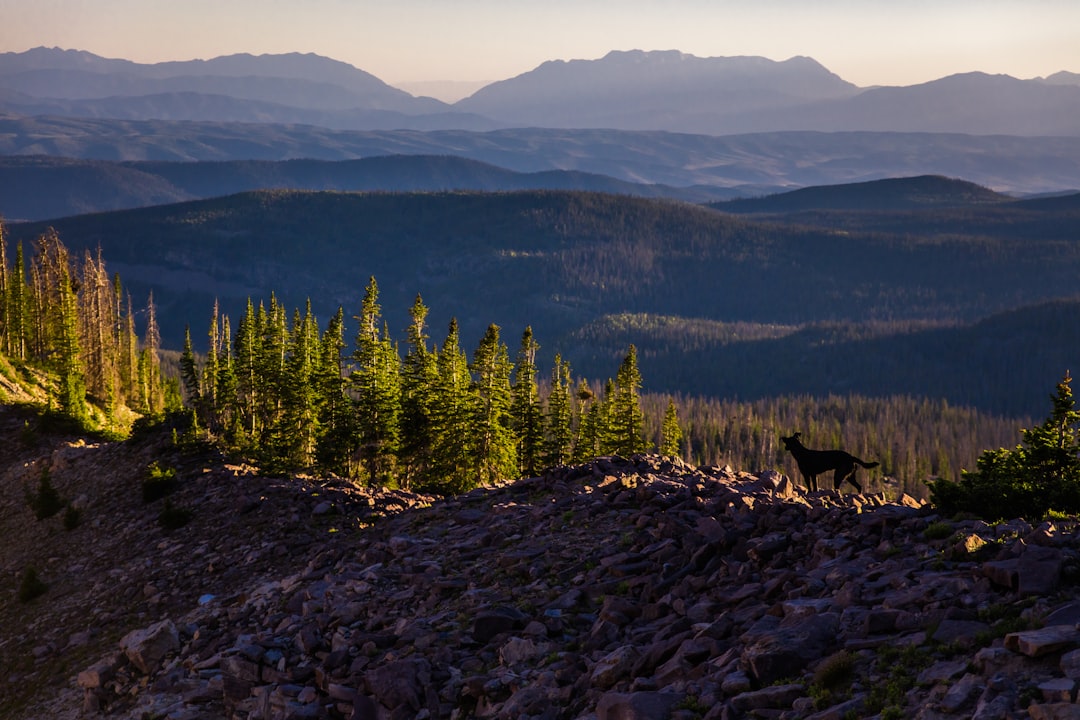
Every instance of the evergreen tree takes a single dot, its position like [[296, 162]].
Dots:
[[227, 408], [189, 371], [452, 436], [527, 412], [271, 376], [419, 379], [16, 303], [5, 281], [671, 434], [335, 409], [376, 383], [211, 401], [150, 381], [494, 452], [558, 420], [1041, 474], [627, 421], [592, 423], [248, 350], [70, 366], [300, 402]]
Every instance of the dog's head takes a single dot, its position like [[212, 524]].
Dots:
[[793, 441]]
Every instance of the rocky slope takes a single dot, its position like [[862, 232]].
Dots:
[[623, 588]]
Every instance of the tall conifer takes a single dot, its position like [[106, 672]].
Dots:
[[376, 382], [419, 376], [527, 412], [494, 454], [558, 428]]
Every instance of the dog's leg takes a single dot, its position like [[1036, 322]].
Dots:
[[849, 475]]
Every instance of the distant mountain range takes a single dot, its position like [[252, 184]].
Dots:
[[753, 164], [633, 90]]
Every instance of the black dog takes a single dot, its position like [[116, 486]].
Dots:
[[814, 462]]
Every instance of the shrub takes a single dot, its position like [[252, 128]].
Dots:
[[46, 502], [31, 586], [1040, 475], [160, 482], [72, 517], [938, 530], [172, 517]]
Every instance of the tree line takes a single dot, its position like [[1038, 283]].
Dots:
[[423, 416], [291, 395], [68, 316]]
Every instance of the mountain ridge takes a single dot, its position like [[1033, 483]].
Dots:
[[635, 90]]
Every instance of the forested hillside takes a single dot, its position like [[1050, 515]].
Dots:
[[38, 187], [902, 309]]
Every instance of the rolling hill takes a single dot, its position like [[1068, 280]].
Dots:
[[914, 193], [562, 261], [39, 187], [759, 162]]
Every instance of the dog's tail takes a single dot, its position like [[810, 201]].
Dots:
[[867, 465]]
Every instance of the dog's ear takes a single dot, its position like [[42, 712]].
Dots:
[[796, 435]]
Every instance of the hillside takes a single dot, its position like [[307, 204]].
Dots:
[[762, 160], [42, 187], [622, 588], [912, 193], [559, 261]]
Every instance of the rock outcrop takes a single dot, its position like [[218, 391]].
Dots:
[[618, 589]]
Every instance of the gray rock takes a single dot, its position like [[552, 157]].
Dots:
[[146, 648], [637, 706]]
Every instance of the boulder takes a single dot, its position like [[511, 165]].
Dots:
[[147, 648]]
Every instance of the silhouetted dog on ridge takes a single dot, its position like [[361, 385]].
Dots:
[[814, 462]]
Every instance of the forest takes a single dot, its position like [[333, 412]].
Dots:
[[962, 303], [293, 395]]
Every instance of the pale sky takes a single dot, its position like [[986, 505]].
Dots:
[[867, 42]]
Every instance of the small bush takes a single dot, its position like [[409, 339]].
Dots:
[[160, 482], [835, 671], [46, 502], [938, 530], [172, 517], [31, 586], [72, 517]]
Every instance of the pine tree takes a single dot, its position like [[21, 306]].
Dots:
[[17, 309], [150, 380], [627, 421], [558, 420], [228, 412], [70, 366], [671, 434], [494, 451], [1041, 474], [527, 412], [189, 372], [334, 407], [270, 377], [247, 351], [452, 435], [419, 378], [376, 382], [592, 423], [211, 401], [300, 409], [5, 281]]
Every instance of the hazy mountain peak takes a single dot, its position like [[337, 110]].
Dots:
[[638, 89]]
